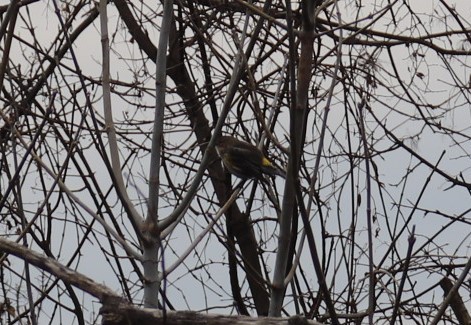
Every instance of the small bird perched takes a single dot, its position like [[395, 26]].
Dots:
[[244, 160]]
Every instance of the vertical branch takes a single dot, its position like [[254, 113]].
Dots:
[[316, 260], [133, 215], [397, 302], [289, 200], [371, 286], [19, 202], [151, 230], [10, 20], [244, 234], [302, 97], [109, 123], [298, 111]]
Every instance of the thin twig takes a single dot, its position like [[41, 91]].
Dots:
[[371, 275], [397, 302], [203, 233]]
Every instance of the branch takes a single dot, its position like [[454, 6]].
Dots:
[[456, 302], [109, 124], [371, 275], [209, 227], [297, 111], [97, 290], [10, 20], [75, 198], [128, 314], [397, 302], [452, 296], [151, 230], [186, 90]]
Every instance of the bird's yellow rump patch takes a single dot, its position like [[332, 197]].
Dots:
[[266, 162]]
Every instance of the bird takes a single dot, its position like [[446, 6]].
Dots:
[[245, 160]]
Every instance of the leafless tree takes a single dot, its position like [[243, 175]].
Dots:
[[115, 207]]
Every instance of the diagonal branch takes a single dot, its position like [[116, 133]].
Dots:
[[103, 293]]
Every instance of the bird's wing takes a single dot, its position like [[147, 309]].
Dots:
[[245, 155]]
